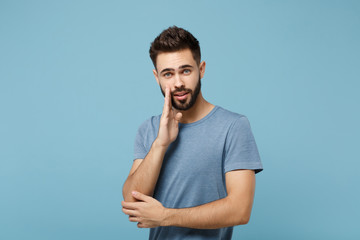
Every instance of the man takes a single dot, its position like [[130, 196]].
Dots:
[[193, 176]]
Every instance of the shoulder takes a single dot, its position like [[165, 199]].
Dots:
[[149, 124], [231, 117]]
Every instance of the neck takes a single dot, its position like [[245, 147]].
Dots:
[[200, 109]]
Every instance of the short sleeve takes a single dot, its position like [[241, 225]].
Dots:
[[140, 150], [240, 148]]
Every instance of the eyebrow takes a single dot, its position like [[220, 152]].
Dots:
[[181, 67]]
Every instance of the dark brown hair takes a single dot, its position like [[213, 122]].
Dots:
[[174, 39]]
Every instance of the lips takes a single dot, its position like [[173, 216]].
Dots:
[[181, 95]]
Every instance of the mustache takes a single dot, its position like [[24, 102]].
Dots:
[[182, 89]]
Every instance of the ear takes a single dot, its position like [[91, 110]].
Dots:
[[156, 76], [202, 69]]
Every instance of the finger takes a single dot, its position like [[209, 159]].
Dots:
[[140, 196], [130, 205], [141, 225], [130, 212], [178, 116], [167, 101], [134, 219], [169, 98]]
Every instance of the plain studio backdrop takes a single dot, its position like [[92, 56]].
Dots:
[[76, 82]]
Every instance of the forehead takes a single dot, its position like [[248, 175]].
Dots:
[[174, 59]]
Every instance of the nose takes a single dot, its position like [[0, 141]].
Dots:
[[178, 81]]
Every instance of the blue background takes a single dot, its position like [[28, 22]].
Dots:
[[76, 82]]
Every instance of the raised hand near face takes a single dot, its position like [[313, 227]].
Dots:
[[169, 122]]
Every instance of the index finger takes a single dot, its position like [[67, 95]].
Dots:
[[167, 102], [130, 205]]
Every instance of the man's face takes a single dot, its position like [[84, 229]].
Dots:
[[180, 72]]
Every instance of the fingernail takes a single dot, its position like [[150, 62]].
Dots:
[[134, 193]]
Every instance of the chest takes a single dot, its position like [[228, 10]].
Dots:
[[195, 152]]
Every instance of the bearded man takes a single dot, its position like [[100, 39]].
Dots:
[[193, 175]]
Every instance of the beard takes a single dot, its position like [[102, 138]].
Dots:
[[182, 104]]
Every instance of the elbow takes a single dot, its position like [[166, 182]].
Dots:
[[125, 195], [242, 213], [242, 218], [128, 197], [126, 192]]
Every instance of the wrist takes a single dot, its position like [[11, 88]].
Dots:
[[157, 144], [166, 217]]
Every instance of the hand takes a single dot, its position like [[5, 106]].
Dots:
[[169, 122], [148, 212]]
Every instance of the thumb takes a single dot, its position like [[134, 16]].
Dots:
[[140, 196], [178, 116]]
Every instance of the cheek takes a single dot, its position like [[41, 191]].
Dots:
[[194, 81]]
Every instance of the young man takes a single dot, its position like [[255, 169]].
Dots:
[[193, 176]]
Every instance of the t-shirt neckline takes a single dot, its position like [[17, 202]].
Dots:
[[201, 120]]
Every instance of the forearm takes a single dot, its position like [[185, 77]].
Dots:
[[145, 177], [220, 213]]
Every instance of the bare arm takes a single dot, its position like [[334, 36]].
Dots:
[[235, 209], [145, 172]]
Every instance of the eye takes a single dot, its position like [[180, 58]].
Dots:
[[168, 74], [186, 71]]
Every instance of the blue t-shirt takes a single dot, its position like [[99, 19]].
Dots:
[[194, 166]]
